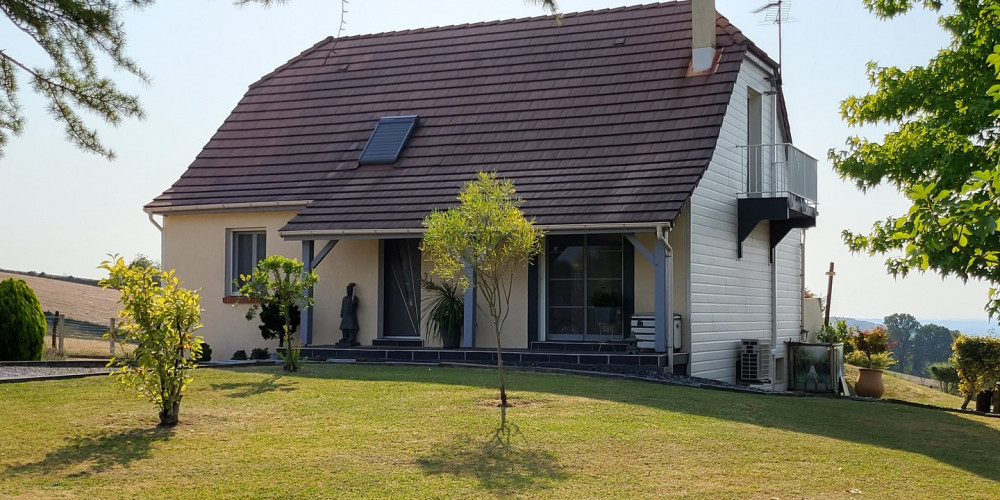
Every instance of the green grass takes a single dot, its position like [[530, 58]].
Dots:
[[349, 431], [898, 388]]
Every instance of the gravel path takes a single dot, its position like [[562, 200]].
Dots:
[[8, 373]]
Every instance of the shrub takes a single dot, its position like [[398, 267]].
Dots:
[[260, 353], [272, 322], [22, 322], [239, 355], [206, 353], [947, 375], [838, 332], [160, 317], [977, 361], [871, 349]]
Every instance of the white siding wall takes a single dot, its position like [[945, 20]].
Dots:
[[731, 298]]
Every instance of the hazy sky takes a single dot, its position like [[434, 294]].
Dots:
[[64, 210]]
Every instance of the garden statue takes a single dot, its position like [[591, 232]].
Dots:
[[349, 318]]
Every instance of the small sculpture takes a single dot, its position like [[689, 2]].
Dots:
[[349, 318]]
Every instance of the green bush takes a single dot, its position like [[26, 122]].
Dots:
[[947, 375], [838, 332], [239, 355], [206, 353], [22, 322], [977, 361], [260, 353]]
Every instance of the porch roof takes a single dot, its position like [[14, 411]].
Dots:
[[596, 122]]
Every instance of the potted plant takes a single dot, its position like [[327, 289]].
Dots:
[[606, 305], [871, 355], [445, 312]]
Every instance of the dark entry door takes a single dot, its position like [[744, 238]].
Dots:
[[401, 288]]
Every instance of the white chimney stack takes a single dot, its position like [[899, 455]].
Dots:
[[702, 35]]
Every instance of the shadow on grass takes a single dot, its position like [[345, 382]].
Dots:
[[274, 383], [85, 455], [947, 437], [502, 466]]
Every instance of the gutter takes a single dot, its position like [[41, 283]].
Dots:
[[550, 228], [226, 207]]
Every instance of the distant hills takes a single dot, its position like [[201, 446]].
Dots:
[[980, 327], [77, 298]]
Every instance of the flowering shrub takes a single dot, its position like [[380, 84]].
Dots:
[[871, 349]]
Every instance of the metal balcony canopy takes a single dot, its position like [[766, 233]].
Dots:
[[388, 139], [790, 202]]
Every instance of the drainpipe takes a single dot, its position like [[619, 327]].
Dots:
[[160, 229], [662, 237]]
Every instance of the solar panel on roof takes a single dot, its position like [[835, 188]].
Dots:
[[388, 139]]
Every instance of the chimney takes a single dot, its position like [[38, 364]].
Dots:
[[702, 35]]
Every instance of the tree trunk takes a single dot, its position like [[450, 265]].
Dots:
[[168, 416], [503, 387]]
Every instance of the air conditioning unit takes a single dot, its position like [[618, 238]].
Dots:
[[755, 364]]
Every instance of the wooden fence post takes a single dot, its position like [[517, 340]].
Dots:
[[111, 337], [62, 328], [55, 326]]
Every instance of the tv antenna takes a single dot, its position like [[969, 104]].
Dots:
[[775, 13]]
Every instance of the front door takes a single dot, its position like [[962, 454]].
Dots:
[[401, 288]]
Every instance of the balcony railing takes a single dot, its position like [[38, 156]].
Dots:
[[772, 170]]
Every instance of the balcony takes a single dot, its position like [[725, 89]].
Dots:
[[780, 183]]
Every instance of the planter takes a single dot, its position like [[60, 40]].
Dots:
[[452, 339], [983, 400], [869, 384]]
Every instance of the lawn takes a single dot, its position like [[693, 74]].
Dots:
[[354, 431], [898, 388]]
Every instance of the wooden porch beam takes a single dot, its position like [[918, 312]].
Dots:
[[640, 247]]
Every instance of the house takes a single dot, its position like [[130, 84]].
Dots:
[[651, 143]]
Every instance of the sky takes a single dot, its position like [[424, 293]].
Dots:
[[62, 211]]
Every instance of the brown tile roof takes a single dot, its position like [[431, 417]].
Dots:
[[594, 120]]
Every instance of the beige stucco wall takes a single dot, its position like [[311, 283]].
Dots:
[[645, 287], [195, 246], [515, 329], [350, 261], [812, 317]]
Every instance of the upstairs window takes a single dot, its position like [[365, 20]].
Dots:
[[387, 141], [246, 248]]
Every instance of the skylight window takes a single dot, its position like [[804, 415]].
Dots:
[[388, 139]]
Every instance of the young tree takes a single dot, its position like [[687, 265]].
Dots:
[[488, 233], [280, 280], [159, 318], [944, 154]]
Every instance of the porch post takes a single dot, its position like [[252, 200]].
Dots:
[[307, 314], [469, 328], [660, 296]]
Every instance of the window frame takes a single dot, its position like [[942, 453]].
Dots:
[[232, 255]]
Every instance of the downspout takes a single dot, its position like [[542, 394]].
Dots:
[[662, 234], [775, 187], [153, 221], [160, 229]]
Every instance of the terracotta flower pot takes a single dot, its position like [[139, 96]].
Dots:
[[869, 383]]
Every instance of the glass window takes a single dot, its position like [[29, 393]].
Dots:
[[248, 248], [577, 268]]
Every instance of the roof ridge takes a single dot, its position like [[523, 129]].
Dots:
[[510, 20], [334, 40]]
